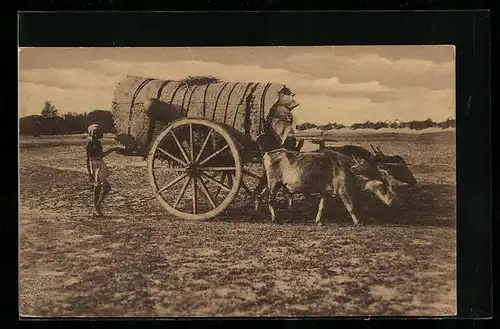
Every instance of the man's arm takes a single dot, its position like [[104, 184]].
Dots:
[[87, 159], [111, 150]]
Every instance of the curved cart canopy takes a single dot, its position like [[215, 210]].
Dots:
[[142, 107]]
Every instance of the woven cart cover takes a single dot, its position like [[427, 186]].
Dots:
[[242, 105]]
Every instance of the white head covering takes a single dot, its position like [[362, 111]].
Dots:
[[93, 127]]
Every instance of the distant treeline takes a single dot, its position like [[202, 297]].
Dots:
[[414, 125], [49, 122]]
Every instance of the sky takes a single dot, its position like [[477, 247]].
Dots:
[[343, 84]]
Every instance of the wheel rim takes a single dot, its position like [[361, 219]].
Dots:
[[197, 152], [251, 176]]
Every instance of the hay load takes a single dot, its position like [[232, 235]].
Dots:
[[142, 107]]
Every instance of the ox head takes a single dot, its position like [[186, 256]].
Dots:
[[374, 180], [395, 165]]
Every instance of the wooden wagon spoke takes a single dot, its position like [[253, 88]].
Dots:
[[214, 155], [173, 182], [223, 176], [196, 172], [174, 169], [194, 195], [203, 145], [251, 174], [171, 156], [217, 168], [191, 142], [216, 182], [181, 194], [243, 184], [245, 187], [184, 155], [205, 191]]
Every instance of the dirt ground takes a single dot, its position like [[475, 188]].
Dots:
[[140, 261]]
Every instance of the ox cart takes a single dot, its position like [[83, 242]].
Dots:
[[202, 138]]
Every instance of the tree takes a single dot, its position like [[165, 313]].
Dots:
[[49, 110], [367, 125], [379, 124], [395, 124], [428, 123], [326, 127], [103, 118], [447, 124], [305, 126], [74, 123], [419, 125], [52, 124], [30, 125]]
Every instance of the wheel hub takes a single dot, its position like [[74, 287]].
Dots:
[[192, 169]]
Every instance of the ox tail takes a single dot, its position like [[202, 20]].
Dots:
[[338, 175]]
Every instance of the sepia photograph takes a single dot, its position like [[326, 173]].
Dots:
[[277, 181]]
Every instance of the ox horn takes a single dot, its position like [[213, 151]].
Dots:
[[380, 151], [373, 149]]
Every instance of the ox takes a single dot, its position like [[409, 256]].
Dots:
[[323, 173], [395, 165]]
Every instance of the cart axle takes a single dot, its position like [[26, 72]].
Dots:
[[193, 169]]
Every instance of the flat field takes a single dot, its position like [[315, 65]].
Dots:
[[141, 261]]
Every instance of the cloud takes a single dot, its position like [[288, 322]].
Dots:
[[391, 66], [32, 97], [298, 82], [372, 67], [333, 95], [321, 109], [67, 57], [434, 53], [181, 69], [333, 86], [62, 57], [410, 105], [67, 78]]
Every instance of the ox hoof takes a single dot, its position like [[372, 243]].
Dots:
[[356, 224], [319, 224]]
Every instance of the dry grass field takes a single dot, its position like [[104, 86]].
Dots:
[[141, 261]]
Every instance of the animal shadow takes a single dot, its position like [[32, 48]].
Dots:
[[431, 204]]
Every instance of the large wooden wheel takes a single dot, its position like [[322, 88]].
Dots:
[[252, 175], [188, 157]]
